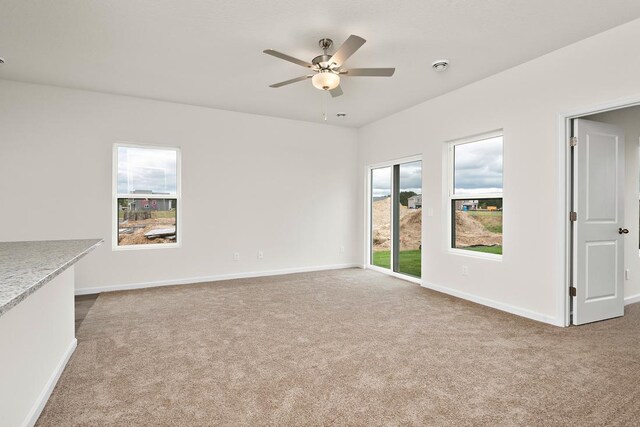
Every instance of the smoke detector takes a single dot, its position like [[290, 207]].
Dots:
[[440, 65], [341, 114], [1, 60]]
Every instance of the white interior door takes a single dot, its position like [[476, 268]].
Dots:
[[599, 230]]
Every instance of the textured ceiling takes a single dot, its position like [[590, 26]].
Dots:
[[209, 53]]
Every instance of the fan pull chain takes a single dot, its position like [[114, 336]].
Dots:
[[324, 106]]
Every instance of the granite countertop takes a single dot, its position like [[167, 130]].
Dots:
[[26, 266]]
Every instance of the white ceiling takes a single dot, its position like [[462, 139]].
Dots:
[[209, 52]]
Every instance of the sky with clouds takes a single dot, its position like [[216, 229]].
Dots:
[[478, 169], [410, 179], [146, 169]]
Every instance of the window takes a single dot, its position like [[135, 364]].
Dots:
[[146, 197], [396, 217], [476, 194]]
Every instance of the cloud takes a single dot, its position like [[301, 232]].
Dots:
[[381, 182], [478, 166], [146, 169], [410, 179], [478, 169]]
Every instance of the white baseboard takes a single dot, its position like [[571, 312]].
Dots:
[[632, 299], [497, 305], [35, 412], [201, 279]]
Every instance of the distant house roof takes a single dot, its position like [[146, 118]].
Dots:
[[417, 198]]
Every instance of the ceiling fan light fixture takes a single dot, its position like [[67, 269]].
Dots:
[[325, 80]]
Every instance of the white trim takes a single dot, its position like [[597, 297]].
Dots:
[[217, 278], [368, 213], [115, 195], [497, 305], [451, 195], [475, 254], [391, 273], [368, 201], [477, 137], [563, 165], [632, 299], [145, 247], [38, 406], [408, 159]]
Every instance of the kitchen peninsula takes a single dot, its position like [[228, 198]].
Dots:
[[37, 335]]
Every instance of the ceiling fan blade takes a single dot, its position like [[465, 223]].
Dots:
[[336, 92], [288, 82], [288, 58], [347, 49], [373, 72]]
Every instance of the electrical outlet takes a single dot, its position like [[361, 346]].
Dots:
[[260, 254], [236, 256], [465, 270], [626, 274]]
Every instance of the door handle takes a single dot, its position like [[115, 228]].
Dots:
[[623, 231]]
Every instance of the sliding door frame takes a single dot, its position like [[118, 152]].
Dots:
[[395, 220]]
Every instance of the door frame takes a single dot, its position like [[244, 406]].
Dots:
[[368, 213], [564, 194]]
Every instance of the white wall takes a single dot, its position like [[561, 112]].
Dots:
[[526, 102], [249, 183], [628, 119]]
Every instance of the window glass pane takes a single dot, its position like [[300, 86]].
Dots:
[[146, 171], [410, 224], [478, 167], [381, 217], [146, 221], [477, 225]]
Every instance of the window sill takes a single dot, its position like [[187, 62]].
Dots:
[[474, 254], [145, 247]]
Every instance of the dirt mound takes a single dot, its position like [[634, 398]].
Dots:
[[471, 232], [132, 232], [410, 226]]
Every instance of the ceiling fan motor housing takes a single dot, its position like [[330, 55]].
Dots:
[[322, 61], [325, 43]]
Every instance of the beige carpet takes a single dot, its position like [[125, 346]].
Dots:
[[348, 347]]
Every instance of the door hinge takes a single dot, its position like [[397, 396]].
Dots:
[[573, 216], [572, 291], [573, 141]]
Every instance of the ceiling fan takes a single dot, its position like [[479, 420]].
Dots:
[[327, 69]]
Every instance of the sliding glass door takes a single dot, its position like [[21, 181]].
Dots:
[[381, 217], [396, 217]]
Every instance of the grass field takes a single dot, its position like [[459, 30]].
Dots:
[[486, 249], [492, 220], [410, 261]]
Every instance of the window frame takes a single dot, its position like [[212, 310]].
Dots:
[[369, 215], [115, 196], [452, 196]]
